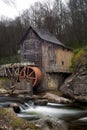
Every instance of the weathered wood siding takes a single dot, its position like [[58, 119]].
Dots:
[[64, 59], [56, 58], [31, 49], [48, 55]]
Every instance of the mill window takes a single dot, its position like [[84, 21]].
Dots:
[[62, 62]]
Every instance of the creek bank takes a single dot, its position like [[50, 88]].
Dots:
[[23, 96], [51, 98], [76, 85], [56, 99], [10, 121]]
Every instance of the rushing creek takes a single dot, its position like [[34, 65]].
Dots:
[[71, 113]]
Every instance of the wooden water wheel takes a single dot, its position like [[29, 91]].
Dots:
[[33, 74], [22, 73]]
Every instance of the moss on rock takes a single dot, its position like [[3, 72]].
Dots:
[[10, 121], [79, 58]]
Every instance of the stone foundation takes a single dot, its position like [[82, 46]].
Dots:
[[54, 80]]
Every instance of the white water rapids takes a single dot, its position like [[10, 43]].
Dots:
[[66, 112], [60, 111]]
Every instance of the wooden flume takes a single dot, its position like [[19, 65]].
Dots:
[[19, 71]]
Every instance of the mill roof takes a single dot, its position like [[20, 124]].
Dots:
[[44, 35]]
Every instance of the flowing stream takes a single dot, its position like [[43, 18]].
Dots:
[[68, 112], [71, 113]]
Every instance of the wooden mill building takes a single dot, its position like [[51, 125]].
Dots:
[[48, 53]]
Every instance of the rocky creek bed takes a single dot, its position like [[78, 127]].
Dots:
[[10, 121], [75, 88]]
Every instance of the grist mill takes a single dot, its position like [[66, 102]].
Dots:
[[44, 62]]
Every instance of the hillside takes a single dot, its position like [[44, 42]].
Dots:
[[79, 58], [76, 85]]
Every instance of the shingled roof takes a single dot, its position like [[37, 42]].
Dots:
[[44, 35], [47, 36]]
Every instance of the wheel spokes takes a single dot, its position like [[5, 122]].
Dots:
[[33, 74], [30, 75]]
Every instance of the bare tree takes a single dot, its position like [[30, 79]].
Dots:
[[9, 2], [25, 18], [78, 14]]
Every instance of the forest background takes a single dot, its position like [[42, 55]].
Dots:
[[67, 21]]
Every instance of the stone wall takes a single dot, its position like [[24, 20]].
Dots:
[[54, 80]]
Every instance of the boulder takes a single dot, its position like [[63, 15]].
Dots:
[[40, 102], [76, 85], [15, 107], [49, 123], [56, 99], [3, 91]]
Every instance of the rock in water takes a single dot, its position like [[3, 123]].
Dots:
[[50, 123], [76, 85], [56, 99], [15, 107]]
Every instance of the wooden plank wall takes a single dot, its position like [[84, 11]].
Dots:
[[31, 49]]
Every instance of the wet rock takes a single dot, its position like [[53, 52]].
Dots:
[[50, 123], [3, 91], [41, 102], [35, 97], [15, 107], [76, 85], [56, 99]]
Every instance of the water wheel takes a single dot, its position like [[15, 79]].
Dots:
[[22, 73], [33, 74]]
